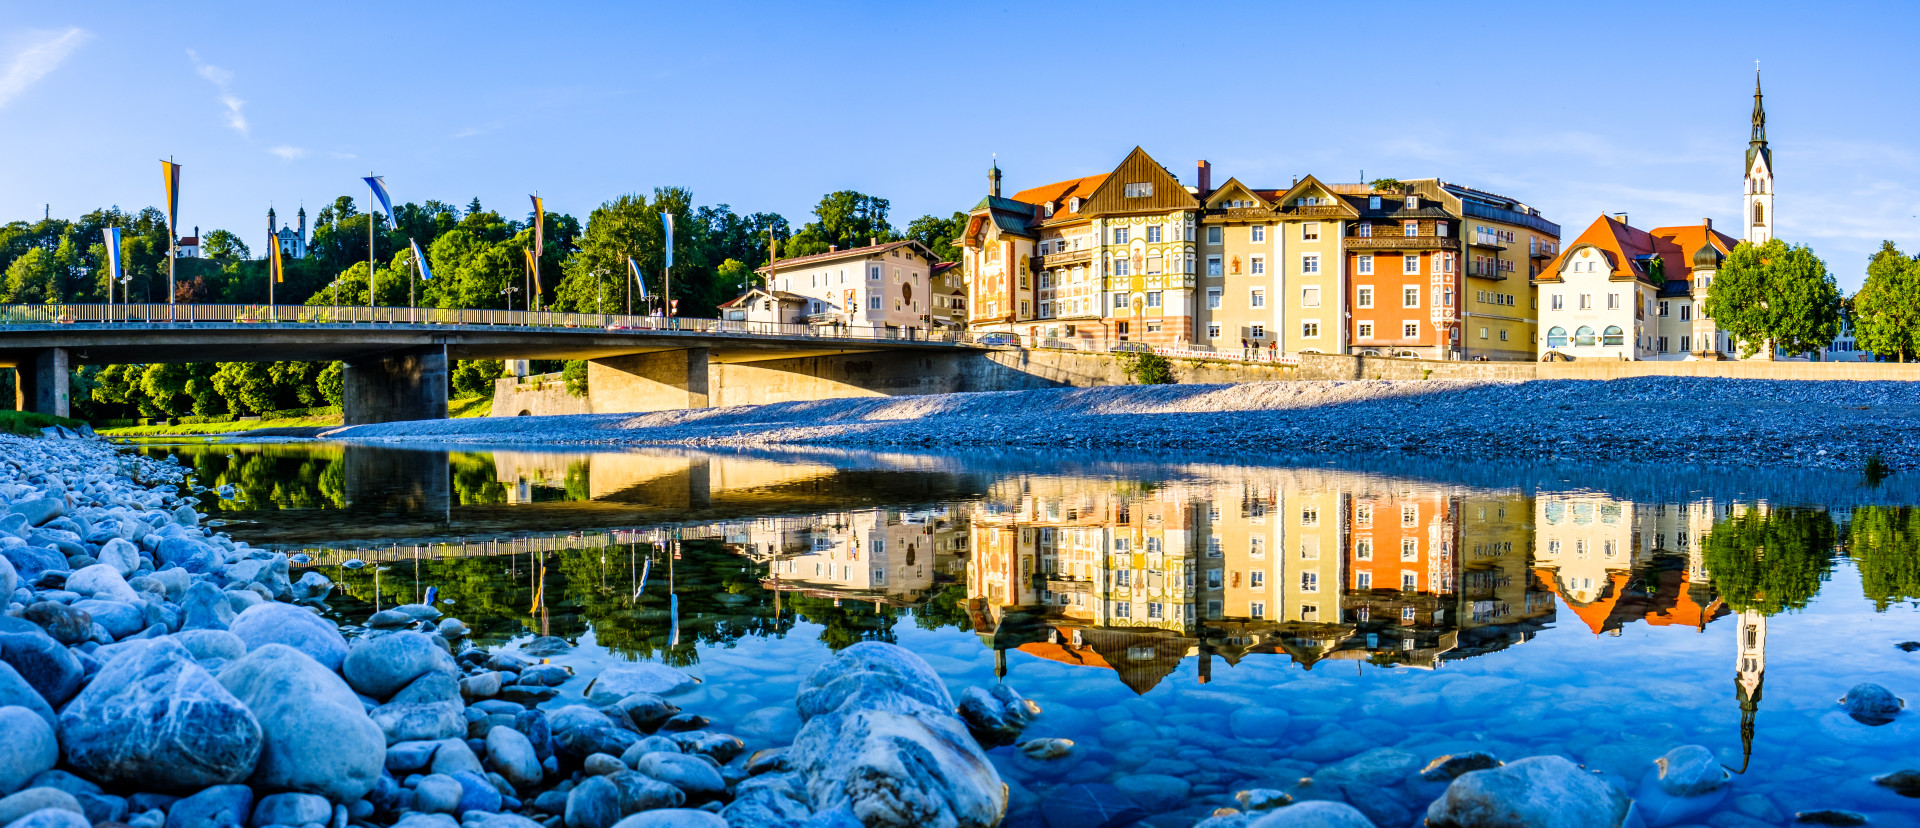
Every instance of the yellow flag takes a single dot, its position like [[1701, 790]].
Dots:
[[276, 268]]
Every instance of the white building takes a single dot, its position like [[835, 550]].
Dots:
[[888, 286]]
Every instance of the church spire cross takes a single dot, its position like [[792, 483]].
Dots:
[[1759, 111]]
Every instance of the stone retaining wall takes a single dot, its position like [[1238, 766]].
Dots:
[[538, 397]]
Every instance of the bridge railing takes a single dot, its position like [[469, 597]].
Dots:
[[154, 314]]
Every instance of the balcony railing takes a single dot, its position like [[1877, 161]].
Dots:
[[1066, 258], [1399, 242]]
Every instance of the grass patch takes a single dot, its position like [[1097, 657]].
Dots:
[[28, 424], [219, 428], [470, 407]]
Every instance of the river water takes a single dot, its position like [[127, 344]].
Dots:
[[1196, 628]]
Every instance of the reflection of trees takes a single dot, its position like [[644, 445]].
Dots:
[[474, 480], [491, 594], [1885, 540], [1769, 560], [946, 608], [265, 476], [847, 624]]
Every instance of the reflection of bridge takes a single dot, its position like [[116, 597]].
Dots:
[[396, 358]]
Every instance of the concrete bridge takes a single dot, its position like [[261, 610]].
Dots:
[[397, 358]]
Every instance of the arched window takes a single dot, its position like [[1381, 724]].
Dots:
[[1556, 337], [1759, 214], [1583, 337], [1614, 336]]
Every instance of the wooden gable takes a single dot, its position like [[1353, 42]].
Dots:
[[1233, 190], [1139, 168]]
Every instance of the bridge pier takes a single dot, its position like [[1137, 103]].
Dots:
[[656, 381], [40, 383], [395, 388]]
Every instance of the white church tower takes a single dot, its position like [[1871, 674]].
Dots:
[[1759, 200]]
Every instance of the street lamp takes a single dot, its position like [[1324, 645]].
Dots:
[[508, 292]]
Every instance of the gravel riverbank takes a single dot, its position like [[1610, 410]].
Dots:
[[1836, 425]]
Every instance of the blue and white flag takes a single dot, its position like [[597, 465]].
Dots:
[[666, 220], [379, 186], [420, 261], [636, 277], [112, 235]]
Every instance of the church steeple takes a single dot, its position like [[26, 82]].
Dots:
[[1758, 204]]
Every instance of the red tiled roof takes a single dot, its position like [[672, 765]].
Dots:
[[851, 251], [1060, 191], [1620, 242], [1687, 239]]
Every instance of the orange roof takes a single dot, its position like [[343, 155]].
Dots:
[[1595, 613], [1686, 240], [1060, 191], [1621, 244], [1079, 656], [1685, 611]]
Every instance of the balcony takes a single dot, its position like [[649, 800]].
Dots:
[[1399, 242], [1316, 210], [1070, 257], [1249, 212], [1489, 242], [1541, 251]]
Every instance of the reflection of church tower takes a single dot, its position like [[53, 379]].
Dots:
[[1759, 172], [1750, 674]]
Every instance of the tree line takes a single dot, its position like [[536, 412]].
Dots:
[[477, 257]]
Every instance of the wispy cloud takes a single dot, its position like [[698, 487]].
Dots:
[[288, 153], [222, 80], [471, 131], [40, 57]]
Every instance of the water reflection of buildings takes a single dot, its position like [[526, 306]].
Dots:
[[1615, 561], [884, 556]]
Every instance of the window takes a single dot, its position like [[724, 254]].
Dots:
[[874, 274], [1310, 231], [1410, 265], [1258, 298], [1440, 229], [1614, 336], [1213, 265], [1364, 330], [1257, 610], [1363, 296], [1409, 582], [1213, 234], [1503, 335], [1153, 263], [1310, 330], [1153, 234], [1139, 189], [1309, 297], [1409, 297], [1257, 265], [1122, 609], [1663, 344], [1483, 332], [1363, 580], [1663, 309], [1584, 337], [1410, 330], [1363, 549], [1613, 301], [1363, 265], [1410, 229], [1559, 302], [1586, 301], [1153, 298], [1259, 331], [1309, 581], [1310, 548], [1122, 266], [1213, 298], [1685, 313], [1257, 234], [1213, 331], [1257, 579], [1119, 235], [1686, 344], [873, 302], [1413, 202], [1119, 301], [1373, 202], [1363, 230]]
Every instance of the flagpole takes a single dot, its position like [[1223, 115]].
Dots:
[[370, 220]]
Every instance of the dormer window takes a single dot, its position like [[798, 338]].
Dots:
[[1373, 202], [1139, 189], [1049, 207], [1073, 204], [1413, 202]]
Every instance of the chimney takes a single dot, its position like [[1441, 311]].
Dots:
[[1707, 223], [833, 248], [873, 241], [1206, 178], [1620, 217]]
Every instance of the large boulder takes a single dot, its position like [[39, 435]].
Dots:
[[119, 618], [120, 554], [101, 581], [192, 555], [318, 738], [1871, 704], [380, 667], [36, 799], [28, 748], [46, 665], [204, 607], [153, 719], [16, 692], [301, 629], [882, 741], [1536, 792], [29, 561], [512, 756]]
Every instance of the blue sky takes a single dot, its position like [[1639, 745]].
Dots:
[[1577, 109]]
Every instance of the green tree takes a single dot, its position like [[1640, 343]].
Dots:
[[1885, 542], [246, 386], [845, 219], [1775, 296], [474, 377], [1886, 312], [31, 279], [1770, 560], [939, 234], [225, 247], [575, 377], [735, 275]]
